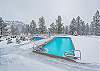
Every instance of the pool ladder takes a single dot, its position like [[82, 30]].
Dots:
[[73, 56]]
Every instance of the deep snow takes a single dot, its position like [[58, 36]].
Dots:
[[90, 48], [19, 57]]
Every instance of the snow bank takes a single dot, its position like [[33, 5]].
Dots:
[[89, 46]]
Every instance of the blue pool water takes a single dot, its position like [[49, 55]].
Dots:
[[59, 45], [37, 38]]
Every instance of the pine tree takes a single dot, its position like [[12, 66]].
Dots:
[[33, 27], [12, 29], [27, 29], [23, 29], [42, 27], [66, 29], [78, 25], [87, 29], [82, 28], [95, 24], [52, 28], [59, 25], [72, 27], [2, 25]]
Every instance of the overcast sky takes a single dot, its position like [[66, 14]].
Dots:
[[26, 10]]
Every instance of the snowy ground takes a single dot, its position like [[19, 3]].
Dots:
[[19, 57], [90, 48]]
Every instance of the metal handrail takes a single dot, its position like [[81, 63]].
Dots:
[[74, 51]]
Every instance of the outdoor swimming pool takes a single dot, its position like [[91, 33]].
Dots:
[[59, 45]]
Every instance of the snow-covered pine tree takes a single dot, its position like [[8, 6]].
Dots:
[[2, 26], [82, 30], [66, 29], [13, 30], [42, 27], [87, 29], [17, 31], [59, 25], [27, 29], [23, 29], [52, 28], [72, 27], [33, 27], [78, 25], [95, 24], [92, 28]]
